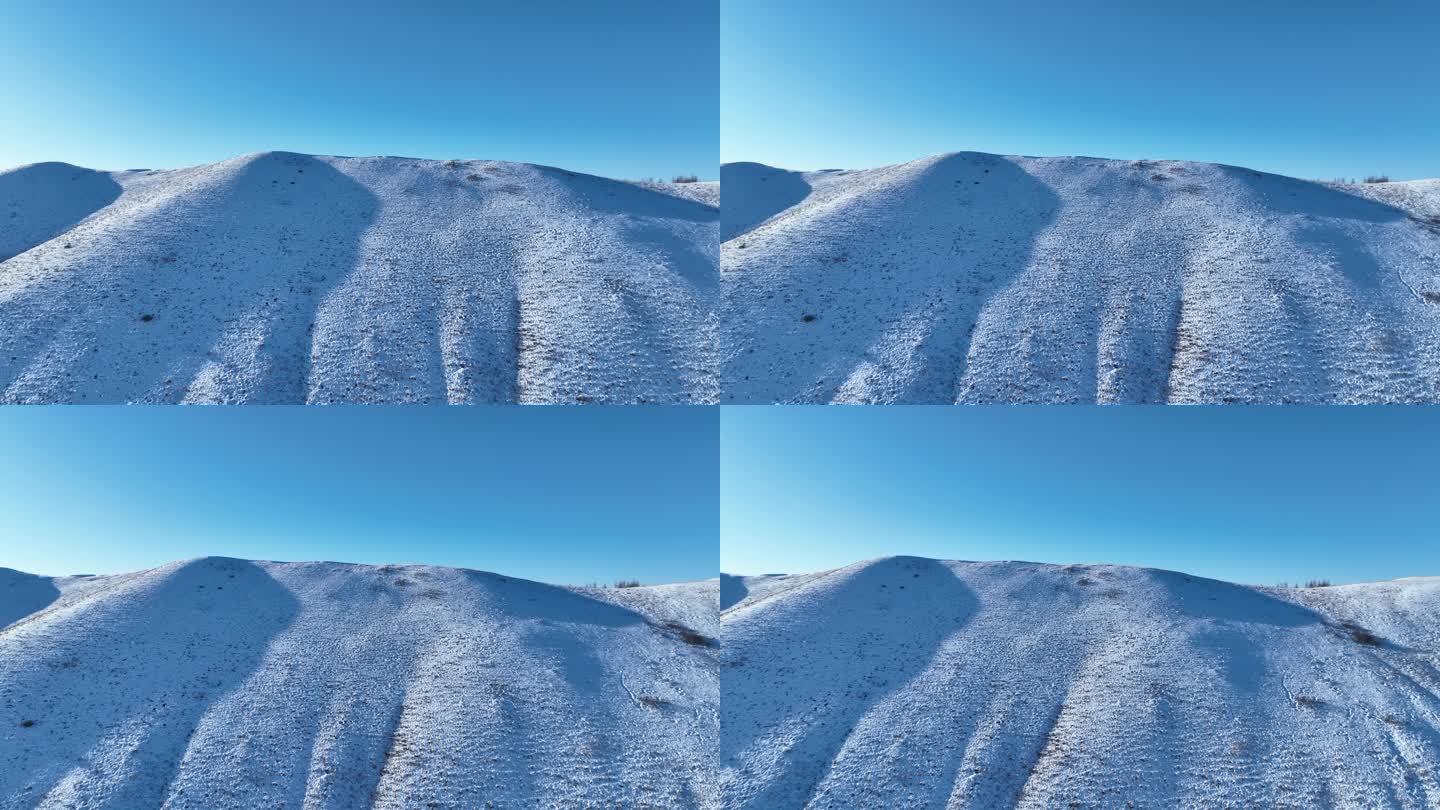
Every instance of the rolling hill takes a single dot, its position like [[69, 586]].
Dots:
[[226, 683], [910, 682], [280, 277], [977, 278]]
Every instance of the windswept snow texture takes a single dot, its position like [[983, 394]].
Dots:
[[280, 277], [978, 278], [908, 682], [225, 683]]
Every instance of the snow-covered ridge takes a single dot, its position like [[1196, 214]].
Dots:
[[225, 683], [971, 277], [910, 682], [279, 277]]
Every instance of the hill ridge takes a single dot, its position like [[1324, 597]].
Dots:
[[282, 277], [224, 681], [916, 682], [969, 277]]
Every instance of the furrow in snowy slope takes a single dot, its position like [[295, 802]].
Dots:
[[980, 278], [220, 682], [915, 683], [280, 277]]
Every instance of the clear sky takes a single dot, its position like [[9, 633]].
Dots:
[[1310, 89], [623, 89], [1252, 495], [564, 495]]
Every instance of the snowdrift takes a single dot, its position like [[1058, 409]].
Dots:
[[225, 683], [280, 277], [909, 682], [978, 278]]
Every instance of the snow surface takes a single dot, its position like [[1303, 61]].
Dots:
[[279, 277], [225, 683], [909, 682], [971, 277]]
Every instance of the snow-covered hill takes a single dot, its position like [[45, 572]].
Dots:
[[280, 277], [225, 683], [979, 278], [909, 682]]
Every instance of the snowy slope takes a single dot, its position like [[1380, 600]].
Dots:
[[979, 278], [908, 682], [279, 277], [224, 683]]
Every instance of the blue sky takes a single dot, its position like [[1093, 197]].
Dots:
[[623, 89], [1253, 495], [566, 495], [1311, 89]]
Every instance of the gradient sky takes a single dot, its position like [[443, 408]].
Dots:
[[564, 495], [1310, 89], [1252, 495], [622, 89]]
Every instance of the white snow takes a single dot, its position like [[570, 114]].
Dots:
[[909, 682], [22, 594], [43, 200], [279, 277], [225, 683], [971, 277]]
